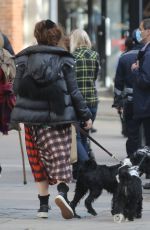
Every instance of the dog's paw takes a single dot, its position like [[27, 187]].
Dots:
[[118, 218], [130, 219], [92, 212], [138, 215], [76, 216]]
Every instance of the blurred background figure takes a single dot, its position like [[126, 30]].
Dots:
[[87, 72], [5, 43], [123, 92], [7, 74], [141, 73], [129, 44]]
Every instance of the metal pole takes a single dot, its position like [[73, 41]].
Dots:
[[23, 160], [54, 10], [140, 10]]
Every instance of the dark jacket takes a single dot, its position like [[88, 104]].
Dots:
[[123, 85], [46, 88], [7, 44], [142, 84]]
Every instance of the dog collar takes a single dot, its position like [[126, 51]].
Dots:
[[133, 171]]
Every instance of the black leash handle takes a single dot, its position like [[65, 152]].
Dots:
[[94, 141], [142, 161]]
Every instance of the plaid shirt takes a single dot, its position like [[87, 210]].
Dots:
[[87, 70]]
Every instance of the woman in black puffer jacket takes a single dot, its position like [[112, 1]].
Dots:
[[48, 101]]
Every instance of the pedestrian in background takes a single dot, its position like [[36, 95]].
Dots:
[[141, 84], [129, 42], [87, 72], [5, 43], [48, 101], [7, 74], [7, 98], [123, 92]]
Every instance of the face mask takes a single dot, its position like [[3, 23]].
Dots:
[[138, 35]]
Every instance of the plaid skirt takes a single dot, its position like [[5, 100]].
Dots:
[[48, 151]]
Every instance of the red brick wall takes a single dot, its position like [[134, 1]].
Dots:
[[11, 21]]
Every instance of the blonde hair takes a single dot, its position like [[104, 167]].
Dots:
[[79, 38]]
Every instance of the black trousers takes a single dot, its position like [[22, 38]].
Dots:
[[133, 126]]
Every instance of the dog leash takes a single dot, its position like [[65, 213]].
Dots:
[[95, 142], [142, 161]]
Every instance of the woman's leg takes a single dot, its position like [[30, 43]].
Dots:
[[84, 140], [82, 153], [43, 188], [43, 198], [62, 202], [146, 126]]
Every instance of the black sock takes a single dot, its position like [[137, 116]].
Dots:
[[62, 187], [43, 199]]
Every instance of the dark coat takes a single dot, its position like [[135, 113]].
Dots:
[[46, 88], [123, 83], [142, 85]]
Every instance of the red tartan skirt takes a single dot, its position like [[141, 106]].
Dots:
[[48, 151]]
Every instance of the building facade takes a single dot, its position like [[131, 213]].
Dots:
[[18, 18], [11, 21]]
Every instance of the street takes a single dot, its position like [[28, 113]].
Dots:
[[19, 202]]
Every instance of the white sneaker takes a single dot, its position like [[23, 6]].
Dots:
[[43, 211], [66, 210]]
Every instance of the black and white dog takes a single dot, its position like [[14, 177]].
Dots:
[[94, 178], [142, 158], [127, 201]]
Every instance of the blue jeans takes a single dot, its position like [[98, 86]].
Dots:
[[81, 150], [82, 145]]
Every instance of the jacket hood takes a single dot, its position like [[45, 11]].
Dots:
[[44, 49]]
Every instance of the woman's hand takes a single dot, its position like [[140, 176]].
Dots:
[[88, 124]]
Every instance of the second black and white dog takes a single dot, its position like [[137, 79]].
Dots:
[[94, 178], [127, 201], [142, 158]]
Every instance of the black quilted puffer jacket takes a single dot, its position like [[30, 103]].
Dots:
[[46, 88]]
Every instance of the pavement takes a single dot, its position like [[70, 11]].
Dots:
[[19, 203]]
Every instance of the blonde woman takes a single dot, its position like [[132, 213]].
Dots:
[[87, 71]]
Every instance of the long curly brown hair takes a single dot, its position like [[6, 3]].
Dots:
[[48, 36]]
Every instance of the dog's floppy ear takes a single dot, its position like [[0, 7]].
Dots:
[[90, 164], [124, 173]]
